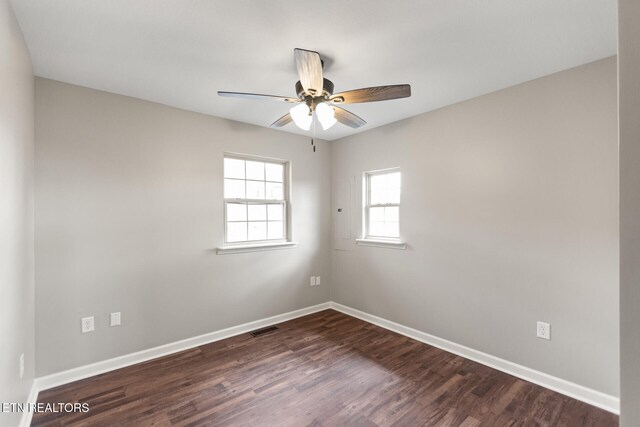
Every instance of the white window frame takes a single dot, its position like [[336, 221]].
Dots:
[[252, 245], [368, 239]]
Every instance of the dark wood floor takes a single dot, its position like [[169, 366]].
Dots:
[[325, 369]]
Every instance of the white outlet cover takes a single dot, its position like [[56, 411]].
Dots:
[[544, 330], [87, 324], [115, 319], [317, 280], [312, 281]]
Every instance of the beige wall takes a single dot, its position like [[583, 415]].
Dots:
[[629, 86], [129, 215], [510, 212], [16, 214]]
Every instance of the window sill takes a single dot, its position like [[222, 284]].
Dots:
[[393, 244], [225, 250]]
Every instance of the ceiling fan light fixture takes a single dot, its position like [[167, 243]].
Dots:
[[301, 115], [315, 94], [326, 115]]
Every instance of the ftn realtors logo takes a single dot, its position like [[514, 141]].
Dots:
[[45, 407]]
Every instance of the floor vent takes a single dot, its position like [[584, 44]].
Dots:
[[263, 331]]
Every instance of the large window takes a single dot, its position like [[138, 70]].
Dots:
[[382, 204], [255, 199]]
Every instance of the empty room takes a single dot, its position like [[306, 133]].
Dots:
[[338, 213]]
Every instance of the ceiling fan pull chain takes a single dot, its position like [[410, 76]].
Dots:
[[314, 134]]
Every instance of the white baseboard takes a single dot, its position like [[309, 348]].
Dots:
[[75, 374], [576, 391], [25, 419]]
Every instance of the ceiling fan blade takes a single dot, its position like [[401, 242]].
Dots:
[[284, 120], [309, 66], [371, 94], [258, 96], [348, 118]]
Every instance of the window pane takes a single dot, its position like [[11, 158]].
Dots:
[[393, 195], [391, 229], [258, 230], [376, 214], [257, 212], [377, 189], [384, 229], [393, 180], [236, 212], [233, 168], [236, 231], [233, 189], [255, 170], [255, 189], [275, 191], [376, 228], [391, 214], [384, 188], [274, 172], [275, 230], [393, 187], [274, 212]]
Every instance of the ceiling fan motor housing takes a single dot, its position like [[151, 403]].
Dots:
[[327, 89]]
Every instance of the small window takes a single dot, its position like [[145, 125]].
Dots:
[[382, 204], [255, 199]]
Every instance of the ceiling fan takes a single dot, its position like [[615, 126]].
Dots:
[[315, 95]]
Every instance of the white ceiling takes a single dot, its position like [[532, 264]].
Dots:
[[180, 53]]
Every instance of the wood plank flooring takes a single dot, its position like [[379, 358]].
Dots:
[[325, 369]]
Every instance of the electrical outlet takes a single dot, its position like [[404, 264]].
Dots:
[[312, 281], [317, 280], [21, 365], [115, 319], [544, 330], [87, 324]]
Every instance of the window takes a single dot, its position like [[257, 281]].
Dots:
[[255, 199], [382, 204]]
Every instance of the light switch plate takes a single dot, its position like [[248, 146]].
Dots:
[[115, 319]]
